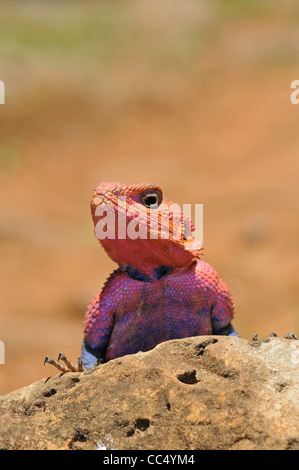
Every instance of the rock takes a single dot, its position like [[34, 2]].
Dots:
[[208, 392]]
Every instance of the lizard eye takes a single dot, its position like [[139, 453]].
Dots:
[[152, 200]]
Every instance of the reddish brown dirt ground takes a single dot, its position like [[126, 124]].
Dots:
[[218, 129]]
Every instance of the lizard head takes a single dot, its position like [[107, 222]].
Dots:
[[140, 229]]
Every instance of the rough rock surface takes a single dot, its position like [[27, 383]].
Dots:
[[206, 392]]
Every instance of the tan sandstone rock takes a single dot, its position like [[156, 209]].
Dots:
[[207, 392]]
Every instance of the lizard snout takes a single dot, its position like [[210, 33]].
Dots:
[[97, 200]]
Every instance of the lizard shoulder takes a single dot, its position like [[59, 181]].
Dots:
[[208, 280]]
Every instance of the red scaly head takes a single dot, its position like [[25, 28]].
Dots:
[[138, 227]]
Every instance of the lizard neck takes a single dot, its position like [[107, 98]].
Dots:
[[156, 274]]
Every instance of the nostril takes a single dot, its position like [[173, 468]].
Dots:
[[97, 200]]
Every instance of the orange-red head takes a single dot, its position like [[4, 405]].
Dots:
[[138, 227]]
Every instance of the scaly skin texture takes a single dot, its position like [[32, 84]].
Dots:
[[161, 289]]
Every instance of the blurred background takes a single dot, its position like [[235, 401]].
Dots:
[[190, 95]]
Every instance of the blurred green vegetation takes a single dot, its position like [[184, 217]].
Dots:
[[64, 31], [246, 8], [105, 34]]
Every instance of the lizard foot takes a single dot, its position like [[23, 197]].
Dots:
[[288, 336], [69, 367]]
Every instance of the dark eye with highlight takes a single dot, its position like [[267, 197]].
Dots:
[[152, 200]]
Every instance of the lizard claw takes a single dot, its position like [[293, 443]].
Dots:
[[271, 335], [290, 336], [274, 335], [50, 360], [69, 367]]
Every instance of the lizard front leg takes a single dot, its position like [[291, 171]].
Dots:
[[89, 359]]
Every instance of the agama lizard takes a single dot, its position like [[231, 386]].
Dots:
[[161, 289]]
